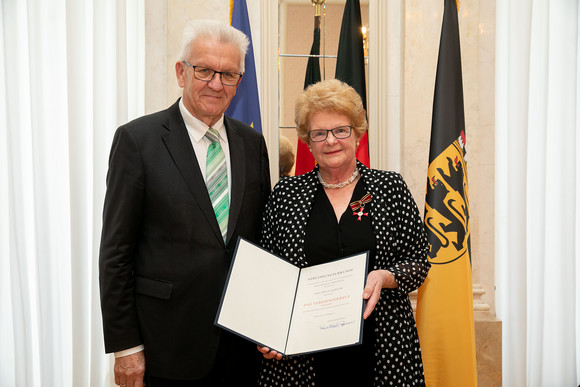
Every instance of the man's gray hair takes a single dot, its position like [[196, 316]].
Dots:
[[221, 32]]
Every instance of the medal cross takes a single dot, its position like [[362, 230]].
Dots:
[[360, 214]]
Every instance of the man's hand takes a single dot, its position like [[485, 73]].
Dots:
[[130, 370]]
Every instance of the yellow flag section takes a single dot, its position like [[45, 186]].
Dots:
[[445, 300]]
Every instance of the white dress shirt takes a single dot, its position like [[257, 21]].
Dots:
[[196, 130]]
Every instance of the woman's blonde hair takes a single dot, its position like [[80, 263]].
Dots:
[[330, 95]]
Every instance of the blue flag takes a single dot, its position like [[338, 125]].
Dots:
[[245, 106]]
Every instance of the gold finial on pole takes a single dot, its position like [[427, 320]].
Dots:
[[317, 5]]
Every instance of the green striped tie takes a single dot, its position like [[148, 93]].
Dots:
[[217, 180]]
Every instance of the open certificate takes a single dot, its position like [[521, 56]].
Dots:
[[291, 310]]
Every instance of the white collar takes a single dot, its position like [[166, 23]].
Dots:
[[198, 128]]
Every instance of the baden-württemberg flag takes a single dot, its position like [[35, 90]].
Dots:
[[445, 301], [245, 105]]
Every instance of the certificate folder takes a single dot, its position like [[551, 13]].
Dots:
[[276, 304]]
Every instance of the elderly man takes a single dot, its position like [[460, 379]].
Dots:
[[183, 184]]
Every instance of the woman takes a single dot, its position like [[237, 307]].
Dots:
[[339, 209]]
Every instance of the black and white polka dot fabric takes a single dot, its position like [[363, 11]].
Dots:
[[401, 248]]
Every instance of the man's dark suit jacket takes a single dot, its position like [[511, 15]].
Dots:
[[163, 261]]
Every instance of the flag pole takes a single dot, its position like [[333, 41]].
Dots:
[[317, 7], [318, 4]]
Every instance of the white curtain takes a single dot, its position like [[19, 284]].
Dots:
[[71, 71], [538, 190]]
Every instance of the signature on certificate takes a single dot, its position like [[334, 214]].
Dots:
[[336, 325]]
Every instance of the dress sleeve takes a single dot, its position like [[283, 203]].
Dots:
[[411, 265], [270, 220]]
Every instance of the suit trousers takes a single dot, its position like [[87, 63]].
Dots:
[[236, 364]]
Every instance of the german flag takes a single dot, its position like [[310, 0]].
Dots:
[[304, 159], [350, 63]]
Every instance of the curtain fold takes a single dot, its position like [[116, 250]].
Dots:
[[537, 191], [71, 72], [576, 313]]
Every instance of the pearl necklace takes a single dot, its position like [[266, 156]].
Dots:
[[338, 185]]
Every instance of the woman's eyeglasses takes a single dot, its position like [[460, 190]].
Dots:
[[340, 132]]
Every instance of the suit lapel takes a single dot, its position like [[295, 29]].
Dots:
[[238, 171], [179, 146]]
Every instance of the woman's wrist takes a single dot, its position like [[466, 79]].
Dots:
[[389, 280]]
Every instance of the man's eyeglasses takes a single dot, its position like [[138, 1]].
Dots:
[[339, 132], [204, 74]]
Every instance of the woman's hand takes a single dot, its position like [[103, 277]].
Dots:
[[377, 280], [265, 351]]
